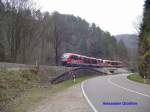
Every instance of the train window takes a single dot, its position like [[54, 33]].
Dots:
[[89, 61], [85, 60], [115, 63], [94, 61], [79, 58], [75, 57], [71, 57], [65, 56], [99, 61]]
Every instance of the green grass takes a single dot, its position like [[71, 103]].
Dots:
[[138, 78], [31, 99], [23, 90], [14, 83]]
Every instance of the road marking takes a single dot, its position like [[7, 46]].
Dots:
[[130, 90], [89, 102]]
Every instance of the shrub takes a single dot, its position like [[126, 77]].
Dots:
[[144, 65]]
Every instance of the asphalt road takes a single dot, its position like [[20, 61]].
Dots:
[[115, 93]]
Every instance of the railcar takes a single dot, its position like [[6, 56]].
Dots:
[[71, 59]]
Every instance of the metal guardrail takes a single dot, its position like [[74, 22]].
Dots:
[[4, 65], [67, 75]]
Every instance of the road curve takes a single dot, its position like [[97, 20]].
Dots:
[[115, 93]]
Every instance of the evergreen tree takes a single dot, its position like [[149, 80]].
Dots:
[[144, 43]]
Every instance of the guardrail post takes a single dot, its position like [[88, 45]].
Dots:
[[144, 79], [36, 63], [74, 78]]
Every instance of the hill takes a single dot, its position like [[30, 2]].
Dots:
[[29, 35], [130, 40], [131, 43]]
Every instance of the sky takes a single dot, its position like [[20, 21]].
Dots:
[[114, 16]]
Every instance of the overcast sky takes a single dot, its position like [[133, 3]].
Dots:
[[115, 16]]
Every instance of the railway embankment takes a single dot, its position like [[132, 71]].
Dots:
[[22, 87], [21, 84]]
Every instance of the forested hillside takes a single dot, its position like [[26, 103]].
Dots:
[[130, 40], [144, 42], [131, 43], [27, 35]]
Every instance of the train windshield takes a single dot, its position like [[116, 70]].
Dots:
[[64, 56]]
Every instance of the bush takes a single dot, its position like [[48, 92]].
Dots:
[[144, 65], [29, 75]]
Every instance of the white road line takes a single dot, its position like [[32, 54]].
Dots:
[[89, 102], [130, 90]]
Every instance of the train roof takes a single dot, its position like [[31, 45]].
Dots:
[[80, 55]]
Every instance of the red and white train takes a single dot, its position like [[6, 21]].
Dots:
[[71, 59]]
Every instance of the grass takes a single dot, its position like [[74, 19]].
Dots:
[[14, 83], [30, 99], [137, 78], [23, 90]]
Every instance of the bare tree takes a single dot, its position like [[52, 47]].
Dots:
[[137, 24], [56, 37]]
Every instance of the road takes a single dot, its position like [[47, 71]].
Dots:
[[115, 93]]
